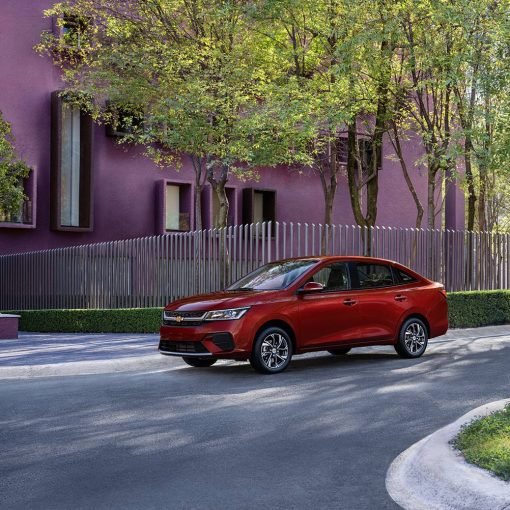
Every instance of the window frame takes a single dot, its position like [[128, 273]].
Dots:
[[86, 207]]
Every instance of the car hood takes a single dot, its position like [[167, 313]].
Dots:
[[221, 300]]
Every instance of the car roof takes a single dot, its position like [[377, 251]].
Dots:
[[352, 258]]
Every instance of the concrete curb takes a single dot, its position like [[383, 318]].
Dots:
[[153, 362], [432, 475]]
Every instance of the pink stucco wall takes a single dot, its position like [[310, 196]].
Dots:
[[125, 181]]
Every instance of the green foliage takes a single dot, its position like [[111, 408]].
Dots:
[[466, 310], [133, 320], [486, 443], [478, 308], [12, 172]]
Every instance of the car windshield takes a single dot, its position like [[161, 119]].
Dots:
[[274, 276]]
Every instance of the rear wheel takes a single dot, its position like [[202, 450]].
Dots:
[[272, 351], [199, 362], [412, 339], [339, 352]]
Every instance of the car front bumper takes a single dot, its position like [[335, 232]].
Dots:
[[227, 339]]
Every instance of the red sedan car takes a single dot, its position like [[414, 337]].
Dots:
[[307, 304]]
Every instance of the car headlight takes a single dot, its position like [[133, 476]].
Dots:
[[222, 315]]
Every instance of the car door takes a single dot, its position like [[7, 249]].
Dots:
[[381, 300], [329, 316]]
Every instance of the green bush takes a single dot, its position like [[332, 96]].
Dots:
[[131, 320], [466, 310], [478, 308]]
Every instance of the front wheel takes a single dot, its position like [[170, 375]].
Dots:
[[199, 362], [272, 351], [412, 339]]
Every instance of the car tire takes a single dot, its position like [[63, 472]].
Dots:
[[412, 339], [272, 351], [339, 352], [199, 362]]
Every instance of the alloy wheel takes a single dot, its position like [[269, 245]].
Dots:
[[274, 351], [414, 338]]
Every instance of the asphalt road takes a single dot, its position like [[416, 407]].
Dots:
[[320, 435]]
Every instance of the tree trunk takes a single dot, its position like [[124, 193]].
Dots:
[[482, 197], [198, 206], [431, 195], [218, 185], [398, 151], [200, 175], [468, 151], [328, 171]]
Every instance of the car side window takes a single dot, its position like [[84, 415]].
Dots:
[[372, 276], [334, 277], [404, 277]]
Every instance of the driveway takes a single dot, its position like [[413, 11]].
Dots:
[[320, 435]]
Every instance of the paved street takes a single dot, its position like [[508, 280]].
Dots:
[[320, 435]]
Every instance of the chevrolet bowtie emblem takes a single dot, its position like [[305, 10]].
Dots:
[[178, 318]]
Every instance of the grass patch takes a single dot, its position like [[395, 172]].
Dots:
[[486, 443]]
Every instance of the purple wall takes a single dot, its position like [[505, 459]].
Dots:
[[126, 182]]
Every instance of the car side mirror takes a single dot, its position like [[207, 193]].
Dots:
[[310, 287]]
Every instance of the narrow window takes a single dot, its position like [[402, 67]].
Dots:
[[173, 211], [71, 168]]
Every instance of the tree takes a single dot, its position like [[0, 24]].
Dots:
[[190, 66], [12, 172]]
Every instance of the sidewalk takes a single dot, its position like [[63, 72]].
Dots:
[[50, 354]]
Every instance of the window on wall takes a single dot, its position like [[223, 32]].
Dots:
[[25, 216], [176, 203], [124, 120], [342, 150], [366, 153], [71, 170], [259, 205]]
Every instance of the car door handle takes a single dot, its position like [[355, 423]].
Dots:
[[400, 298], [350, 302]]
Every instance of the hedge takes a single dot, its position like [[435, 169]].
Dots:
[[466, 310], [124, 320]]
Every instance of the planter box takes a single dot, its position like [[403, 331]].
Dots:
[[9, 326]]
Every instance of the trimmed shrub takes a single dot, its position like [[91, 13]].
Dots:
[[478, 308], [466, 310], [126, 320]]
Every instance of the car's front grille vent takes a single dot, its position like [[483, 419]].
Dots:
[[184, 347], [183, 318]]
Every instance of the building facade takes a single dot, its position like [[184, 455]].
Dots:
[[85, 187]]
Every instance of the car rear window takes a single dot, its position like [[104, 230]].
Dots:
[[405, 277]]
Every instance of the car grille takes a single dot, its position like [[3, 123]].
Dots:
[[184, 347], [183, 318]]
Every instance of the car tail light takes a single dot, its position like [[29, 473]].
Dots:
[[442, 291]]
